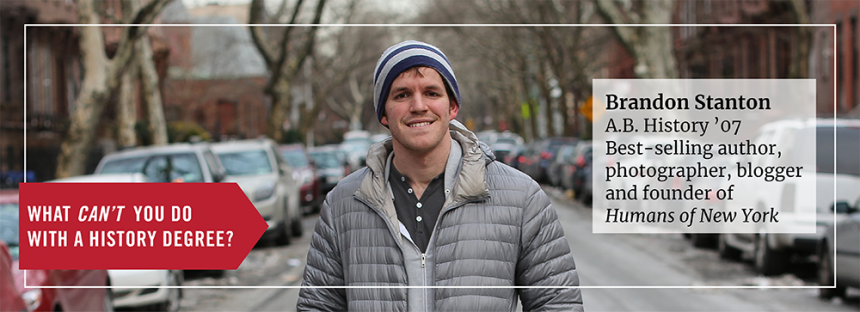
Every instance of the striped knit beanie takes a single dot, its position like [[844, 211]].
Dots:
[[402, 56]]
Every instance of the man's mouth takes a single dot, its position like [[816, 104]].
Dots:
[[420, 124]]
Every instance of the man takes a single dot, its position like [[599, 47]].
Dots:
[[433, 209]]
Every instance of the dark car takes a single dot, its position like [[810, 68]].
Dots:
[[556, 167], [38, 298], [332, 166], [537, 157], [305, 173]]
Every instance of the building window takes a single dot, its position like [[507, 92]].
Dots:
[[5, 67]]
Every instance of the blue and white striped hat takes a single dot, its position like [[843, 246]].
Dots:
[[402, 56]]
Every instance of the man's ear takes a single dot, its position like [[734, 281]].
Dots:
[[454, 108], [384, 121]]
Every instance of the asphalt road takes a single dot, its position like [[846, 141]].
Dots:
[[620, 272]]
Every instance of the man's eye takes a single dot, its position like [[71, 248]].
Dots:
[[400, 96]]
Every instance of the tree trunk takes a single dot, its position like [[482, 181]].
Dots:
[[127, 110], [101, 78], [90, 102], [281, 101], [151, 92]]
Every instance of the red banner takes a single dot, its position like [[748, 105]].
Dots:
[[209, 226]]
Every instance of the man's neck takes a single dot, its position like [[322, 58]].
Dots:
[[422, 168]]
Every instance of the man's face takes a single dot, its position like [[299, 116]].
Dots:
[[417, 110]]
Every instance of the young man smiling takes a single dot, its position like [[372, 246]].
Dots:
[[433, 209]]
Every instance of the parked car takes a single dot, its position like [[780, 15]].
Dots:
[[305, 173], [267, 180], [140, 288], [39, 298], [356, 143], [10, 298], [179, 162], [556, 165], [536, 158], [772, 251], [504, 152], [331, 167], [843, 239]]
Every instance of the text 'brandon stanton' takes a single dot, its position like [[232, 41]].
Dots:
[[681, 103]]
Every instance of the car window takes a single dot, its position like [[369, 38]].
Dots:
[[127, 165], [251, 162], [296, 158], [9, 225], [847, 145], [326, 160], [173, 168]]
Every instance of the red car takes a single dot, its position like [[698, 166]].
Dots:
[[10, 298], [305, 173], [39, 298]]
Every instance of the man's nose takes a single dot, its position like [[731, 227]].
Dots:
[[418, 103]]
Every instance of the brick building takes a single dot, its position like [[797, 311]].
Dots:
[[766, 52], [844, 14], [52, 81]]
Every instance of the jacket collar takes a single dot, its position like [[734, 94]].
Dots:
[[469, 183]]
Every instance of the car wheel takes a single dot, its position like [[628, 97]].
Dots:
[[825, 275], [286, 229], [767, 260], [702, 240], [297, 227], [174, 295], [726, 251]]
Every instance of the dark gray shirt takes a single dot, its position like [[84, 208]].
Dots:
[[417, 215]]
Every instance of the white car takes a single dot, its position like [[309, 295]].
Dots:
[[267, 180], [771, 250], [140, 288]]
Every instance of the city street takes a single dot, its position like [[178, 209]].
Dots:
[[602, 260]]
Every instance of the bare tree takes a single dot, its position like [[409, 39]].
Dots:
[[151, 92], [102, 77], [284, 53], [126, 109], [799, 67], [651, 47]]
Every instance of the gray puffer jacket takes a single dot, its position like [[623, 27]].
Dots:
[[498, 230]]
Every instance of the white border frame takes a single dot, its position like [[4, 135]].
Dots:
[[835, 85]]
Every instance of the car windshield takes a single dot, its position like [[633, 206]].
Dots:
[[159, 168], [511, 141], [246, 162], [296, 158], [128, 165], [326, 160], [9, 224]]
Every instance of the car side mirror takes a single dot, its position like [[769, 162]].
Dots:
[[842, 207], [218, 176]]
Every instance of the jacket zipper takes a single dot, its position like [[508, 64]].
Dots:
[[432, 235]]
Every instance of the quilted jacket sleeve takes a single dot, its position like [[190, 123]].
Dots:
[[545, 259], [323, 269]]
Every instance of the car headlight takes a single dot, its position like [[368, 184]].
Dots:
[[33, 298], [264, 192]]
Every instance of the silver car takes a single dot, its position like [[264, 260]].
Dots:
[[267, 180]]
